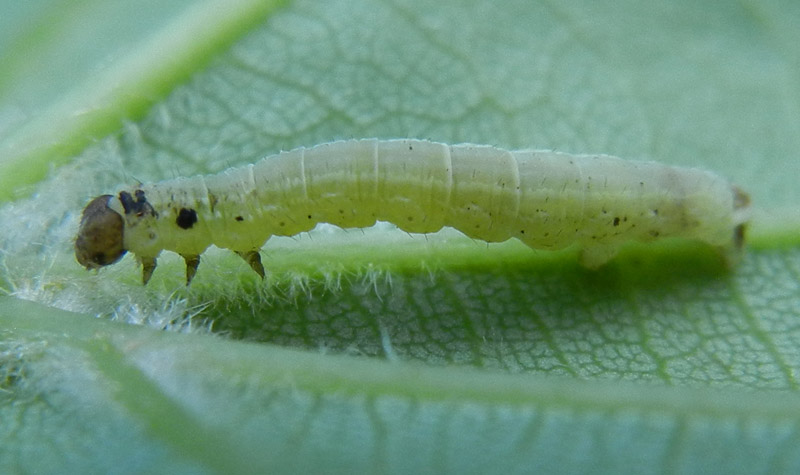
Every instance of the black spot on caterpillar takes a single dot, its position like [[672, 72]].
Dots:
[[187, 218], [548, 200], [137, 206]]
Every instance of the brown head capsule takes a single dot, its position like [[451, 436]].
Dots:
[[99, 241]]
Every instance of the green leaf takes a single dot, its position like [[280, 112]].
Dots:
[[378, 351]]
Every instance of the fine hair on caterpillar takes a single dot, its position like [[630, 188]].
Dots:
[[547, 200]]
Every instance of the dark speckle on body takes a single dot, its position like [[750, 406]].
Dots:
[[186, 218], [136, 204]]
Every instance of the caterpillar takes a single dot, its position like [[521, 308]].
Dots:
[[546, 199]]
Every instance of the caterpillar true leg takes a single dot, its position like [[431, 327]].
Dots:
[[191, 267], [148, 266], [253, 258]]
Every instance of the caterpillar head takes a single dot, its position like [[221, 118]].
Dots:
[[100, 236]]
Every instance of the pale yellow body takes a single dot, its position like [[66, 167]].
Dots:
[[548, 200]]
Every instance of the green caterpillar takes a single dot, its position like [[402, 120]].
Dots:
[[548, 200]]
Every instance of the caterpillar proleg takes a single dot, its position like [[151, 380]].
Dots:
[[546, 199]]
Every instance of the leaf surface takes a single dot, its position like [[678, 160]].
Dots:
[[375, 350]]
